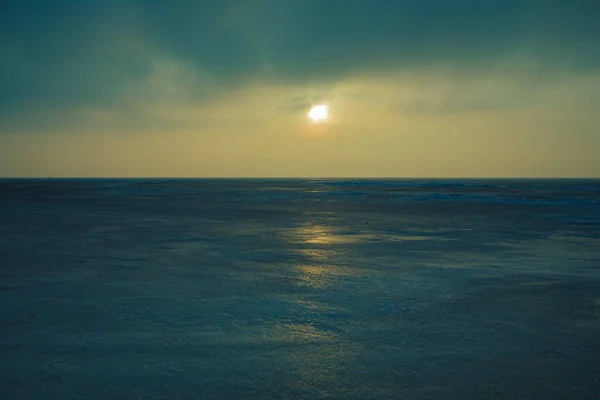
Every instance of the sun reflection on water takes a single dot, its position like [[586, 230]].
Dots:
[[315, 234], [315, 276], [315, 242], [320, 271]]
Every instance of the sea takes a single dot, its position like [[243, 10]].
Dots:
[[299, 289]]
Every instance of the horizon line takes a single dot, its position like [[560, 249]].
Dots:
[[292, 178]]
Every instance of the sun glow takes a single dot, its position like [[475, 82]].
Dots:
[[318, 113]]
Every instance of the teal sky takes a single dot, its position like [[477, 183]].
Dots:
[[222, 88]]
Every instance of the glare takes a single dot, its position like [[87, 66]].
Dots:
[[318, 113]]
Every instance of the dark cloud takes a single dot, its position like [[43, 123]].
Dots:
[[311, 38], [66, 54]]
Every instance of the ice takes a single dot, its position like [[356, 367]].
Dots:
[[307, 288]]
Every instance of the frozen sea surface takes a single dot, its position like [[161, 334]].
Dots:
[[299, 289]]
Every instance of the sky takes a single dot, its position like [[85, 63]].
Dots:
[[222, 88]]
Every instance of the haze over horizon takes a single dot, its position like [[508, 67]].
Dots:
[[222, 88]]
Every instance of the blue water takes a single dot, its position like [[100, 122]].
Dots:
[[290, 289]]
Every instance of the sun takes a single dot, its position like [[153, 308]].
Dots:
[[318, 113]]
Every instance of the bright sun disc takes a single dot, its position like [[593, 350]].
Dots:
[[318, 113]]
